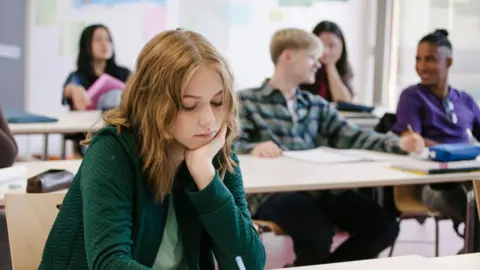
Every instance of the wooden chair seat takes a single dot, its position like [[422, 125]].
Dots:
[[29, 220]]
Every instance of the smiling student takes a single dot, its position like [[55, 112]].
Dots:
[[280, 116], [160, 187], [440, 113]]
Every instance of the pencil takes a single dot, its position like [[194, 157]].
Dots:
[[412, 133], [240, 264]]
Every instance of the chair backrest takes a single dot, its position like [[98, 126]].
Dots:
[[386, 123], [476, 187], [29, 220]]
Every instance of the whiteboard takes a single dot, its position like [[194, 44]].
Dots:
[[240, 29]]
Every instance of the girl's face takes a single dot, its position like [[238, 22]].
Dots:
[[333, 48], [202, 111], [102, 48]]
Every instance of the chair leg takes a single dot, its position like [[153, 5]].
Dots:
[[437, 236], [391, 249]]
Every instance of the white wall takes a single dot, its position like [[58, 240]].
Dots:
[[418, 18], [245, 45]]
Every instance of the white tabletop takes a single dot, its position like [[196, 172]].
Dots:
[[68, 122], [18, 185], [463, 262], [287, 174], [394, 263]]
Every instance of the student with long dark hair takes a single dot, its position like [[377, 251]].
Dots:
[[334, 78], [96, 56]]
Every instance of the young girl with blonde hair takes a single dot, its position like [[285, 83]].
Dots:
[[160, 187]]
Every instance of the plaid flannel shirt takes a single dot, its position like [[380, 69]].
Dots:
[[264, 116]]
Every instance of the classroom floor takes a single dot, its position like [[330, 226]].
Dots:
[[414, 239]]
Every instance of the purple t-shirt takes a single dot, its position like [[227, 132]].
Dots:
[[426, 113]]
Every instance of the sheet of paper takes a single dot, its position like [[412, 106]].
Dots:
[[322, 155], [371, 155], [13, 173], [69, 37], [10, 51], [46, 12]]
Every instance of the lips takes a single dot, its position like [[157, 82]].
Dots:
[[206, 134]]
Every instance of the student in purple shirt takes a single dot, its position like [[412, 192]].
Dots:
[[441, 114]]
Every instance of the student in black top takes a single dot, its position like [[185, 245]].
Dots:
[[96, 57]]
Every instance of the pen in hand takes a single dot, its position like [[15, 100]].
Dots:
[[240, 264], [412, 133]]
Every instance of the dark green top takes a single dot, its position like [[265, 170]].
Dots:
[[109, 218]]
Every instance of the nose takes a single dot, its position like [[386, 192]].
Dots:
[[317, 64], [206, 118]]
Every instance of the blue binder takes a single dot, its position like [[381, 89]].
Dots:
[[17, 117]]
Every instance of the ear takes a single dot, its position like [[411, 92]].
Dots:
[[287, 54], [449, 61]]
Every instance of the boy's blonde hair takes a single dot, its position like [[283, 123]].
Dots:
[[294, 39], [153, 97]]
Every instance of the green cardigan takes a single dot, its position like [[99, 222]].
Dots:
[[109, 218]]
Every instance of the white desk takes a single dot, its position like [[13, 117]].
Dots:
[[34, 168], [287, 174], [463, 262], [393, 263], [68, 123]]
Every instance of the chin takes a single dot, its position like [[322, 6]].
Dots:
[[195, 145]]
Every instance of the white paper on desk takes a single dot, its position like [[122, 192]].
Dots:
[[321, 155], [13, 173], [369, 155]]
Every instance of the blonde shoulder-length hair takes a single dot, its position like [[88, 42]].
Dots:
[[153, 97]]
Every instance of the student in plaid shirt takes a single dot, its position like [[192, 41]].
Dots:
[[279, 116]]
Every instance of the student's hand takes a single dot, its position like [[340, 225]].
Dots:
[[199, 161], [412, 143], [80, 98], [267, 149]]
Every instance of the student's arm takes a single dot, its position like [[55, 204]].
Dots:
[[224, 214], [338, 87], [339, 133], [408, 113], [8, 146], [476, 121], [107, 187], [74, 92], [245, 143]]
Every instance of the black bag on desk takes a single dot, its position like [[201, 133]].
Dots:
[[50, 181], [351, 107]]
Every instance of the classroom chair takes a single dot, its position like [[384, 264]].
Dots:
[[476, 188], [29, 220], [410, 207]]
